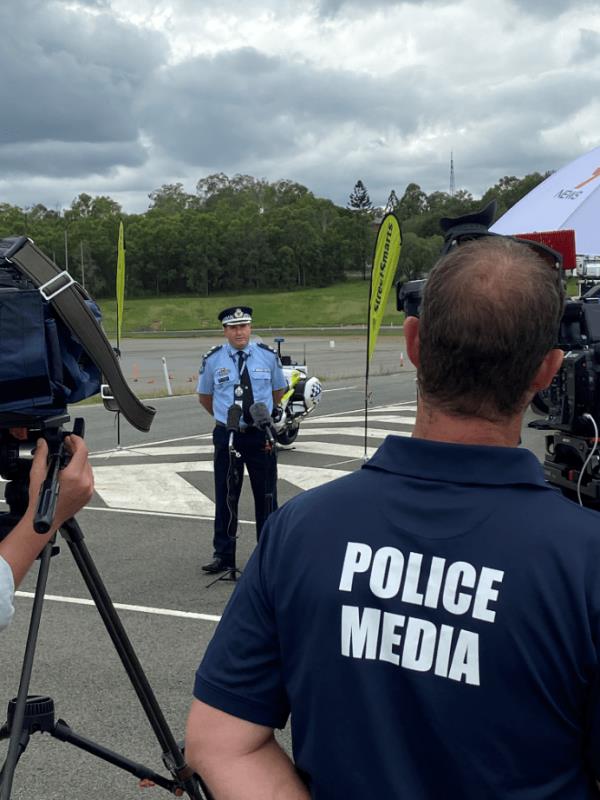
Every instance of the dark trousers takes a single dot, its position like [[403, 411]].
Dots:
[[262, 470]]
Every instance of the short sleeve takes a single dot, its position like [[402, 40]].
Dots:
[[7, 593], [241, 672], [205, 378], [277, 376]]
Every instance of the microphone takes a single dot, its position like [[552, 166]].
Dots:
[[262, 419], [234, 412]]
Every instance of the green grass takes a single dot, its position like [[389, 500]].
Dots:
[[343, 304], [572, 287], [340, 304]]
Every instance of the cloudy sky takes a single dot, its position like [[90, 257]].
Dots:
[[118, 97]]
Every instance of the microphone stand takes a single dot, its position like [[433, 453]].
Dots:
[[270, 466], [233, 479], [262, 420]]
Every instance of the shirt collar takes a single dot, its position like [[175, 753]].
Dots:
[[233, 351], [457, 463]]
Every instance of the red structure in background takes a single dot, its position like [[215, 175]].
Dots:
[[561, 241]]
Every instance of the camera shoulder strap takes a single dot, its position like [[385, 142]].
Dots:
[[69, 301]]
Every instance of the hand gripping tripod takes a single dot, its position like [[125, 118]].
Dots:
[[30, 714]]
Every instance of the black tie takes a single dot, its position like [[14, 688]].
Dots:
[[248, 395]]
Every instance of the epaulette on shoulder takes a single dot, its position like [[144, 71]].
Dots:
[[267, 347], [212, 350]]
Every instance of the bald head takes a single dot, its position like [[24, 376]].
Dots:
[[490, 313]]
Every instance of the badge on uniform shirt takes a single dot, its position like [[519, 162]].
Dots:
[[222, 371], [238, 391]]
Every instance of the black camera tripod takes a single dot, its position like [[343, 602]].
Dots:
[[31, 714]]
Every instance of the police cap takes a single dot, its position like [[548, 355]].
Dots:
[[238, 315]]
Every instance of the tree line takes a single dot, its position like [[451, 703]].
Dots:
[[240, 234], [419, 215]]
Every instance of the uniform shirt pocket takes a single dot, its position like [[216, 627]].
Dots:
[[260, 374]]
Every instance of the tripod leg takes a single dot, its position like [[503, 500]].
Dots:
[[172, 755], [8, 769], [16, 745], [64, 733]]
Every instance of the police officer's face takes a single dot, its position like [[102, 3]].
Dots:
[[238, 336]]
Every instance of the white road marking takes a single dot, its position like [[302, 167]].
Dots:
[[300, 445], [165, 612], [153, 487], [371, 418], [389, 409], [330, 449], [179, 450], [357, 432], [408, 406], [168, 514], [115, 452], [158, 488], [161, 488], [307, 477]]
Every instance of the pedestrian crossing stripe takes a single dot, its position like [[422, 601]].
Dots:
[[162, 487]]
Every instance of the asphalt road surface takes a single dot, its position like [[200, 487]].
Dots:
[[148, 529]]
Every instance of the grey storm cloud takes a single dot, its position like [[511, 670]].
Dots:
[[95, 4], [532, 103], [541, 8], [64, 160], [550, 8], [242, 104], [589, 47], [71, 78], [85, 92], [331, 7]]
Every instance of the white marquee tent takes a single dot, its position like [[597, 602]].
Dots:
[[569, 198]]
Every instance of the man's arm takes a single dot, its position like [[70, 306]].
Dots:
[[21, 547], [278, 379], [239, 760], [206, 401], [76, 484], [205, 383]]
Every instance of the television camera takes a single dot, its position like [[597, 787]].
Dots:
[[570, 406]]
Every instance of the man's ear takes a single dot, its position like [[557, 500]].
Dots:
[[411, 337], [547, 370]]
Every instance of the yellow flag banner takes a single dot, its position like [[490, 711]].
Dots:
[[120, 280], [385, 261]]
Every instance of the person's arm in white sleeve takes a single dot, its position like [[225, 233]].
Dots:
[[20, 548], [7, 593]]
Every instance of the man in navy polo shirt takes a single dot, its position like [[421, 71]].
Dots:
[[431, 622]]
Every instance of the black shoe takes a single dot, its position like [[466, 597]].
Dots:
[[218, 565]]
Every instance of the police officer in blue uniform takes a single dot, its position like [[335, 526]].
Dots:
[[239, 372]]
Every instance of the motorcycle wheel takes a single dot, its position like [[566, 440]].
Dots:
[[289, 434]]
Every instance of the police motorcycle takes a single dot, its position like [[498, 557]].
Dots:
[[301, 398]]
